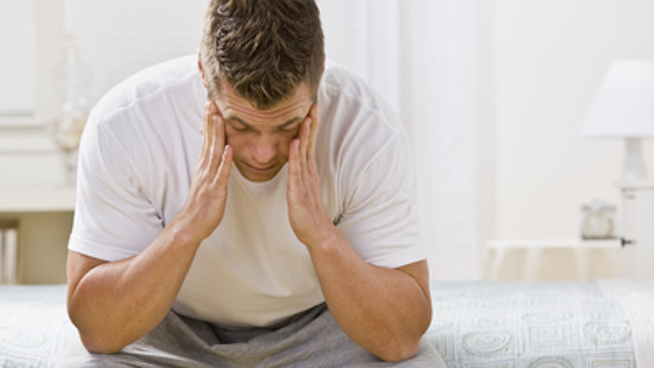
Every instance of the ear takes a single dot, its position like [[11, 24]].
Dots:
[[204, 80]]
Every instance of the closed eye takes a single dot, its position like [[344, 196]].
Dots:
[[289, 128], [238, 126]]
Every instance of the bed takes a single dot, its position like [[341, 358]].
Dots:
[[476, 324]]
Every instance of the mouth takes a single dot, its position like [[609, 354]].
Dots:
[[261, 169]]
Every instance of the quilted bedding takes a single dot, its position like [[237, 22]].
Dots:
[[476, 324]]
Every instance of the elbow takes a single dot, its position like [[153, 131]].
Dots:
[[98, 339], [397, 347], [100, 344], [397, 350]]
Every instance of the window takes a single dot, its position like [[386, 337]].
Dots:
[[18, 61], [116, 38]]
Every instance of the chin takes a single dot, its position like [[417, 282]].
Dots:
[[258, 176]]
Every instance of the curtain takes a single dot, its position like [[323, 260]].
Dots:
[[18, 61], [117, 38], [421, 55]]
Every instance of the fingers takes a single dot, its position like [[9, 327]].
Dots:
[[294, 161], [215, 161], [302, 149], [307, 136], [207, 125], [305, 132], [217, 147], [225, 166], [213, 137], [218, 126], [313, 113]]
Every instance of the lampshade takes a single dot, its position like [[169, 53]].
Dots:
[[624, 105]]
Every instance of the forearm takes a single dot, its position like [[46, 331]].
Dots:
[[116, 303], [386, 311]]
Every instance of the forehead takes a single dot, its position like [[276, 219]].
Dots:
[[231, 105]]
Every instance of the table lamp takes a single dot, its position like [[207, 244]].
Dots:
[[624, 107]]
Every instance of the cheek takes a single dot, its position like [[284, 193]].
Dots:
[[237, 141], [285, 144]]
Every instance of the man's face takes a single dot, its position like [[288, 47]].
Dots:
[[260, 139]]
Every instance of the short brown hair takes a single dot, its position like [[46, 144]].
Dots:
[[263, 48]]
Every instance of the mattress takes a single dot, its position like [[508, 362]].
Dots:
[[539, 324], [475, 324]]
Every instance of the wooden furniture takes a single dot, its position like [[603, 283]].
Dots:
[[42, 220]]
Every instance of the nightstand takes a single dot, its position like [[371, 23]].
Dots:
[[34, 226], [635, 240], [496, 252], [637, 198]]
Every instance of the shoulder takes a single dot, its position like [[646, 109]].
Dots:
[[356, 122], [162, 86], [340, 84], [361, 141], [136, 124]]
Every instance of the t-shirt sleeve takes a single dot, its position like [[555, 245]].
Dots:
[[380, 219], [113, 219]]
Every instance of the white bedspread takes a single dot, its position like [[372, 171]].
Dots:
[[637, 299], [476, 324], [531, 325]]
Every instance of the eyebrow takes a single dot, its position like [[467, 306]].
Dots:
[[249, 126]]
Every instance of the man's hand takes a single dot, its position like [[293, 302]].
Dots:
[[205, 204], [306, 209], [116, 303]]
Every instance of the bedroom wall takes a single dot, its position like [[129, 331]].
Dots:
[[541, 63], [29, 158], [549, 59]]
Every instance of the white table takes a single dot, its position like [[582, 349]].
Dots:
[[496, 250], [636, 239]]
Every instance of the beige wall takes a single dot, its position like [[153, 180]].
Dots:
[[42, 240], [541, 63], [550, 57]]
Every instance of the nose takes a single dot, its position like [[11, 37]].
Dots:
[[264, 149]]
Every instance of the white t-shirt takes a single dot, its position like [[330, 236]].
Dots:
[[137, 158]]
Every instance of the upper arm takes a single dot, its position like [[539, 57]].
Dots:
[[114, 217], [379, 216], [78, 265], [419, 271]]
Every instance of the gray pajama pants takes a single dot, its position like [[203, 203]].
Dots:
[[312, 340]]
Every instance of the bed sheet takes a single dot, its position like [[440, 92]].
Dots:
[[637, 298], [33, 323], [530, 324], [475, 324]]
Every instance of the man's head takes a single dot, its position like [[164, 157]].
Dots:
[[264, 49], [262, 61]]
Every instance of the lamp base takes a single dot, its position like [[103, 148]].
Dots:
[[633, 167]]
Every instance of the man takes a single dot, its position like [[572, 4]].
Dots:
[[250, 208]]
